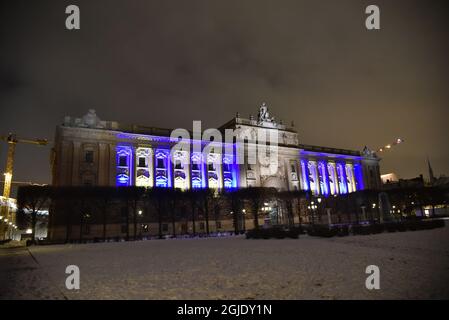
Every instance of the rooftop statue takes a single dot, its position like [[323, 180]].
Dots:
[[264, 115]]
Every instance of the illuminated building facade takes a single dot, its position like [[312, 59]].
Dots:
[[89, 151]]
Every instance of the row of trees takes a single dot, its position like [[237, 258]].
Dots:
[[130, 205]]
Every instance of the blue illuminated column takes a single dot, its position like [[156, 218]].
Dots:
[[197, 169], [324, 183], [229, 172], [305, 175], [342, 178], [124, 164], [313, 177], [358, 172], [333, 180], [213, 171], [349, 170]]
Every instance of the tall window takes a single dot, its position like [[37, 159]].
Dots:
[[197, 174], [162, 173], [89, 156], [160, 163], [142, 162], [144, 167], [123, 161], [124, 165]]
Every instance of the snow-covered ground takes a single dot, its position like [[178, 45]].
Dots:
[[413, 265]]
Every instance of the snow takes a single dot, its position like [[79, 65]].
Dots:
[[413, 265]]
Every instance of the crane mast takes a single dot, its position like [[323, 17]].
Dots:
[[12, 141]]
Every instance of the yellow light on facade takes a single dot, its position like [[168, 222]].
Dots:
[[29, 231]]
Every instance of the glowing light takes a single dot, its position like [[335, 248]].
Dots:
[[140, 212], [29, 231]]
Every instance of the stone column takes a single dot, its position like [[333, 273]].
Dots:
[[76, 163], [112, 165], [103, 167]]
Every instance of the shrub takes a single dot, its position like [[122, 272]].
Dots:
[[342, 231], [322, 231], [390, 227], [274, 232]]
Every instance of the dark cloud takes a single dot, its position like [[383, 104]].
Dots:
[[165, 63]]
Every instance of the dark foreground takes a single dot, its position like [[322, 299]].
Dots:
[[413, 265]]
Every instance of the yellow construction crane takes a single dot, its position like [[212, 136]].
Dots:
[[12, 140]]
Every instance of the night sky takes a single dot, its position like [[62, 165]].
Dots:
[[166, 63]]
